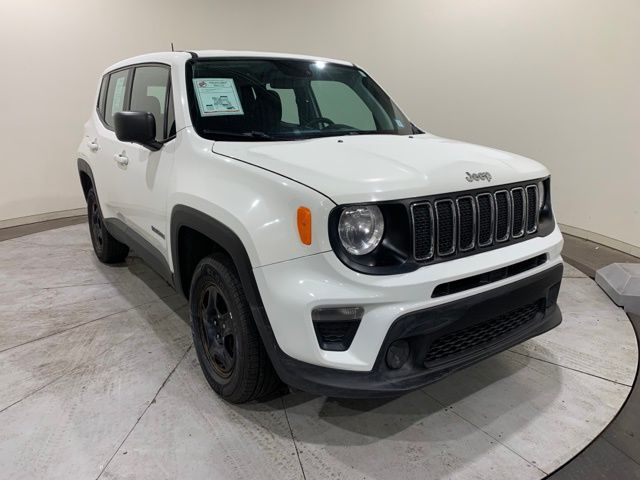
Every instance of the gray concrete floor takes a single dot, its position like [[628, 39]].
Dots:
[[615, 454], [99, 380]]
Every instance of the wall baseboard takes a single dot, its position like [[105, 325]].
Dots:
[[602, 239], [42, 217]]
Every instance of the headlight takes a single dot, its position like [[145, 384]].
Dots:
[[540, 195], [360, 229]]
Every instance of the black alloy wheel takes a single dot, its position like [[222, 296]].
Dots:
[[95, 222], [106, 247], [226, 338], [216, 330]]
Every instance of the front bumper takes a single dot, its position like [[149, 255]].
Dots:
[[291, 290], [422, 329], [396, 306]]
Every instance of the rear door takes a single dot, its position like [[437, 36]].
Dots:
[[108, 173]]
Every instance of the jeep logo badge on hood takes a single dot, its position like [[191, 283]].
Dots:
[[476, 177]]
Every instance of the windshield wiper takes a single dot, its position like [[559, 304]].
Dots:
[[337, 133], [251, 134]]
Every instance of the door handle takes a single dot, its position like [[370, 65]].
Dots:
[[121, 158], [93, 145]]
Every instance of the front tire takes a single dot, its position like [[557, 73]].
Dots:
[[231, 354], [106, 247]]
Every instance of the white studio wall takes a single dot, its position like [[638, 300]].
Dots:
[[556, 81]]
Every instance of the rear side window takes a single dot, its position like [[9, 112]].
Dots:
[[102, 95], [116, 93], [149, 93]]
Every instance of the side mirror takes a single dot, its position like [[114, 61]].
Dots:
[[137, 127]]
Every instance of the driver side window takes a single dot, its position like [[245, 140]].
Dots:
[[339, 103], [149, 94]]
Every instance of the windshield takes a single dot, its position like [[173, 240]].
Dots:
[[249, 99]]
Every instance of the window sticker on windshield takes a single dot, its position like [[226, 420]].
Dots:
[[399, 123], [217, 96]]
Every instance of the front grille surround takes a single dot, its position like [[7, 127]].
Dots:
[[468, 222]]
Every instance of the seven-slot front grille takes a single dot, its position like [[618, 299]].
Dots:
[[460, 224]]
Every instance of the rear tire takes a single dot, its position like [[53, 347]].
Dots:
[[229, 348], [106, 247]]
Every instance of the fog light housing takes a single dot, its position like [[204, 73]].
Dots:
[[336, 327], [398, 354]]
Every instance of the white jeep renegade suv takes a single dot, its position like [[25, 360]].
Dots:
[[320, 237]]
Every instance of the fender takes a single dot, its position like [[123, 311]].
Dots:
[[183, 216]]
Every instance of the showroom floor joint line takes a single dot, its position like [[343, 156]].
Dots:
[[293, 438], [73, 285], [84, 323], [153, 400], [572, 369], [497, 440]]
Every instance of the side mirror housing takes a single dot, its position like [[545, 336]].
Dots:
[[137, 127]]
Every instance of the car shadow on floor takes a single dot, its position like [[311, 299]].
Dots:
[[424, 414], [441, 429], [467, 396], [154, 282]]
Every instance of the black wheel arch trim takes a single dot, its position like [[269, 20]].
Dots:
[[84, 167], [184, 216]]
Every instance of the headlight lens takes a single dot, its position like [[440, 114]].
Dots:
[[541, 194], [360, 228]]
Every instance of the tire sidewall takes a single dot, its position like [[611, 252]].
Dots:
[[210, 271], [91, 200]]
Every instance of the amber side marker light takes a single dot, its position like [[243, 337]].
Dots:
[[304, 225]]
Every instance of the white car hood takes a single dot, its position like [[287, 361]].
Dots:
[[362, 168]]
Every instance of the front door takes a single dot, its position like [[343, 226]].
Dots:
[[143, 192]]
